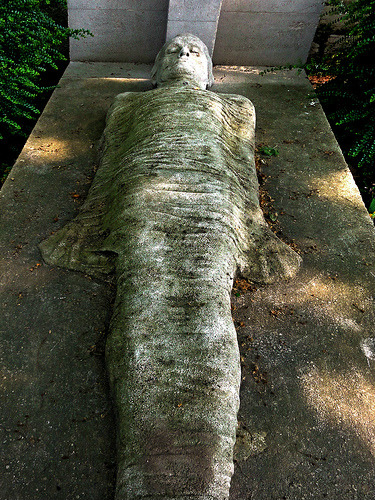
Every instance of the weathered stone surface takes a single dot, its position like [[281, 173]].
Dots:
[[174, 207], [316, 404], [174, 210]]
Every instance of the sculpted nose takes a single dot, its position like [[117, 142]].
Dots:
[[184, 52]]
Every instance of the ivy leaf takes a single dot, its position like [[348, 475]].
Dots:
[[268, 151]]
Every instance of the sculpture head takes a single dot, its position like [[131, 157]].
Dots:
[[184, 58]]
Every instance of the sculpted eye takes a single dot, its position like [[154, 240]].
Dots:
[[173, 49]]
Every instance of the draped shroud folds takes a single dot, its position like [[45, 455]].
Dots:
[[174, 212]]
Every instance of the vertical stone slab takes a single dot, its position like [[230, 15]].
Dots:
[[199, 18], [123, 30], [243, 32], [266, 32]]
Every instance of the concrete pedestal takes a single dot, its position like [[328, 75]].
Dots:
[[306, 421]]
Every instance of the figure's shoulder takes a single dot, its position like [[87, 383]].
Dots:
[[238, 109], [239, 100], [125, 98], [123, 103]]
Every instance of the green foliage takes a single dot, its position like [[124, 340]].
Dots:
[[268, 151], [347, 92], [30, 43], [371, 208], [349, 96]]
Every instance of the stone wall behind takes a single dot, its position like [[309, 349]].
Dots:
[[249, 32]]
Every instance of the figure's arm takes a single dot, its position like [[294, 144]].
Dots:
[[81, 244], [245, 111], [265, 257]]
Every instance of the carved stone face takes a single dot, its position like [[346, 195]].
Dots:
[[185, 58]]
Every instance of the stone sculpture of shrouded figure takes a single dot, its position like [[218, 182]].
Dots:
[[173, 211]]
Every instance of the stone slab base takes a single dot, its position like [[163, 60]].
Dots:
[[306, 421]]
